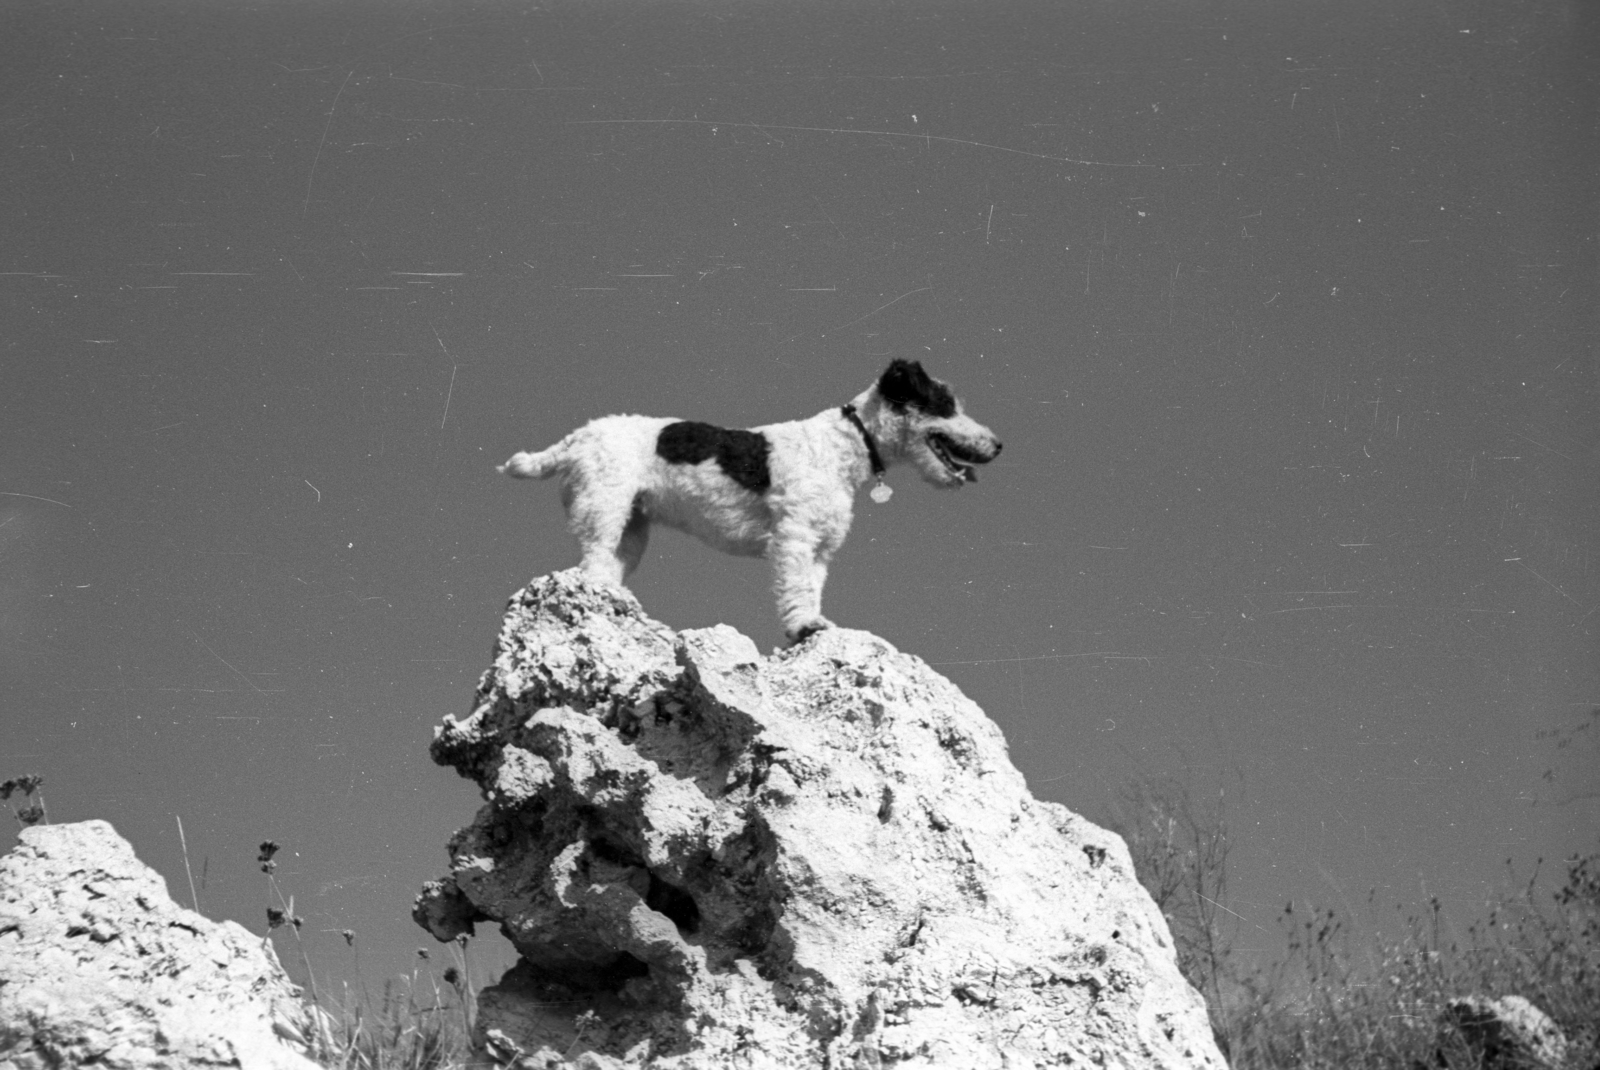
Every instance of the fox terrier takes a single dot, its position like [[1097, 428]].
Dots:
[[783, 491]]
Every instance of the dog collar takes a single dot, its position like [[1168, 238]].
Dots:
[[881, 491], [866, 436]]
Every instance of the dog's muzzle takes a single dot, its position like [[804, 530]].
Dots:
[[960, 458]]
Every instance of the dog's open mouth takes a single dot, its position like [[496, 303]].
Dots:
[[948, 452]]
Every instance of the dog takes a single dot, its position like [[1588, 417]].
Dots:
[[783, 491]]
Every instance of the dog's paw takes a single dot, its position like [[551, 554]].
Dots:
[[808, 629]]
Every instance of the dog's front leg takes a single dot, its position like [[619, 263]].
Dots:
[[799, 570]]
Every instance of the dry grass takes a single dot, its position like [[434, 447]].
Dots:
[[412, 1027], [1335, 1000], [420, 1021], [1324, 1006], [417, 1024]]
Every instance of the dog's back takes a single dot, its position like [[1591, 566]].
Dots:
[[606, 443]]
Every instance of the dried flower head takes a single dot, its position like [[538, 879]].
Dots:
[[349, 937], [275, 918], [25, 784], [268, 849], [452, 976]]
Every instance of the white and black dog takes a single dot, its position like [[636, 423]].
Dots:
[[784, 491]]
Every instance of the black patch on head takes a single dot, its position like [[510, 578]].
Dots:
[[742, 455], [906, 384]]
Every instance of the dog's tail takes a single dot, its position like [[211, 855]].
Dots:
[[541, 465]]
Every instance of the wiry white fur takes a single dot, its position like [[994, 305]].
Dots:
[[614, 486]]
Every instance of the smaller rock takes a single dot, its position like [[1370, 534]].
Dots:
[[1508, 1033], [99, 967]]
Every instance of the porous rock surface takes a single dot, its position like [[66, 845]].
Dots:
[[1508, 1033], [708, 858], [99, 967]]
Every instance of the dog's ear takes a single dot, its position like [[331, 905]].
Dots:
[[904, 383]]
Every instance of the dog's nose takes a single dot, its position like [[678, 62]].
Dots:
[[997, 448]]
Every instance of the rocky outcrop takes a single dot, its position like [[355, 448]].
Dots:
[[99, 967], [708, 858], [1508, 1033]]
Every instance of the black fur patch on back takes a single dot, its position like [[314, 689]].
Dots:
[[905, 383], [742, 455]]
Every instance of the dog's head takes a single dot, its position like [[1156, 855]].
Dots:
[[914, 417]]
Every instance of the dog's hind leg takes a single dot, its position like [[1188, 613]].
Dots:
[[611, 532], [635, 537]]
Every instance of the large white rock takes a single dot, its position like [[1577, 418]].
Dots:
[[821, 858], [99, 967]]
